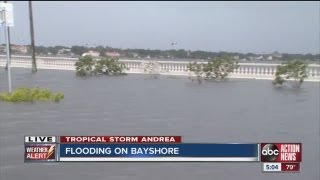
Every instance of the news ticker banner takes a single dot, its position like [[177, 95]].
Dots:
[[275, 157]]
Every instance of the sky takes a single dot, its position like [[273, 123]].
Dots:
[[258, 27]]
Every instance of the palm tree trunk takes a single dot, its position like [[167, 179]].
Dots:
[[34, 63]]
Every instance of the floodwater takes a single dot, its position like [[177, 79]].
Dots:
[[235, 111]]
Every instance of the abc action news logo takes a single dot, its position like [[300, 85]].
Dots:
[[281, 152]]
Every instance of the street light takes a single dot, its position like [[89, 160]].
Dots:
[[7, 20]]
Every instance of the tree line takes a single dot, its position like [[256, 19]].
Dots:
[[216, 69], [293, 72], [88, 66], [172, 53]]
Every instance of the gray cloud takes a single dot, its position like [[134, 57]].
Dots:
[[291, 27]]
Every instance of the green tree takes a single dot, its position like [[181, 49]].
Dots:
[[109, 66], [219, 68], [24, 94], [41, 50], [293, 72], [215, 69], [152, 68], [197, 69], [85, 66], [101, 50], [78, 50]]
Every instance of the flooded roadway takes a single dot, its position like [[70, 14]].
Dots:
[[235, 111]]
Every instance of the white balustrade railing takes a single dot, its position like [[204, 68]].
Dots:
[[179, 68]]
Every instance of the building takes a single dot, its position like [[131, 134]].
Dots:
[[91, 53], [276, 54], [19, 49], [258, 58], [236, 57], [2, 49], [113, 54], [64, 51], [135, 55]]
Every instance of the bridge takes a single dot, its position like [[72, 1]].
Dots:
[[173, 68]]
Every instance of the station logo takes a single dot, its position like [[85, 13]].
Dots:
[[281, 152], [269, 152]]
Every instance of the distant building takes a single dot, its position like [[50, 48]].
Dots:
[[91, 53], [135, 55], [113, 54], [259, 58], [276, 54], [2, 48], [64, 51], [19, 49], [188, 53]]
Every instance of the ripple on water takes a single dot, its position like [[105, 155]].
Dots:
[[236, 111]]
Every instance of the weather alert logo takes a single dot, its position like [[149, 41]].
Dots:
[[281, 152], [40, 152]]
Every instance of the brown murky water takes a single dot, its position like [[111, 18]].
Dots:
[[235, 111]]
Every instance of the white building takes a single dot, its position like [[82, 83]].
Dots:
[[259, 58], [113, 54], [64, 51], [91, 53], [19, 49]]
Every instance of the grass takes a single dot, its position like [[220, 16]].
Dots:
[[24, 94]]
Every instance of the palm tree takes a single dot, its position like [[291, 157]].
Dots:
[[34, 63]]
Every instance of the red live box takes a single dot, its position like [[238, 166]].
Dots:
[[281, 152], [290, 167]]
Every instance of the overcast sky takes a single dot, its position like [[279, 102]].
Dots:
[[287, 27]]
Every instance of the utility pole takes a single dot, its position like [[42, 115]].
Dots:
[[34, 63], [7, 20], [8, 42]]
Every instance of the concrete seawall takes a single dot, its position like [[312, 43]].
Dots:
[[173, 68]]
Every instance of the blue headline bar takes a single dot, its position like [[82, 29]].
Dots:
[[159, 150]]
